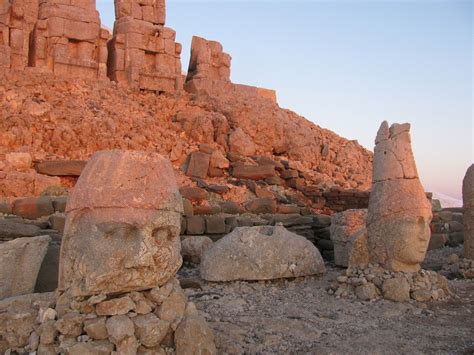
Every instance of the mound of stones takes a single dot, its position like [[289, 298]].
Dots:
[[375, 282], [261, 253], [156, 321]]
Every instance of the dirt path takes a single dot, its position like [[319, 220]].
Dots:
[[299, 317]]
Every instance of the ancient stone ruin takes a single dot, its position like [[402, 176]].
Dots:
[[384, 258], [117, 285], [468, 218], [68, 39], [96, 220], [17, 20], [399, 215], [209, 67], [122, 226], [143, 53], [261, 253]]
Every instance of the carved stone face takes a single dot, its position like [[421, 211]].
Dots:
[[111, 250], [409, 244]]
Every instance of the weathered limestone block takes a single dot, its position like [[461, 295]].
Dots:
[[198, 165], [193, 248], [468, 216], [20, 261], [208, 60], [143, 53], [252, 91], [122, 225], [194, 336], [17, 19], [261, 253], [61, 167], [13, 229], [399, 212], [153, 11], [209, 67], [241, 143], [68, 39], [344, 227], [33, 207]]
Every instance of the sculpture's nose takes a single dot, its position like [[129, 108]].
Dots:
[[145, 250]]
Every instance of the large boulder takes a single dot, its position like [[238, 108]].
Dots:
[[261, 253], [20, 262], [344, 228], [122, 225], [468, 216], [399, 215]]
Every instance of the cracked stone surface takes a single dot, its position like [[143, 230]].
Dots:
[[399, 213], [122, 225], [261, 253]]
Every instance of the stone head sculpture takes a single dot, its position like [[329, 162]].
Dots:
[[399, 212], [122, 225]]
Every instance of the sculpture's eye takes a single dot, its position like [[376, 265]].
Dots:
[[117, 230]]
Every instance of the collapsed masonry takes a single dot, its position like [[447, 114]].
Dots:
[[65, 37], [68, 39], [17, 20], [143, 53], [209, 73]]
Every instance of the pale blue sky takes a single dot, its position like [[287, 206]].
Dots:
[[348, 65]]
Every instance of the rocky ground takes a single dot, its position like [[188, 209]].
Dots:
[[299, 316]]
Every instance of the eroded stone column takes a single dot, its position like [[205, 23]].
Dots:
[[209, 67], [468, 217]]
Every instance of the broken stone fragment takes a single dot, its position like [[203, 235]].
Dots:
[[193, 247], [396, 289], [70, 324], [95, 328], [261, 253], [173, 307], [20, 262], [119, 328], [150, 330], [115, 307], [194, 336], [241, 143], [344, 226]]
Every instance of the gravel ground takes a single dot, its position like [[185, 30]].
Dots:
[[298, 316]]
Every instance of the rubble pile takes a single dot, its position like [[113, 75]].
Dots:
[[375, 282]]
